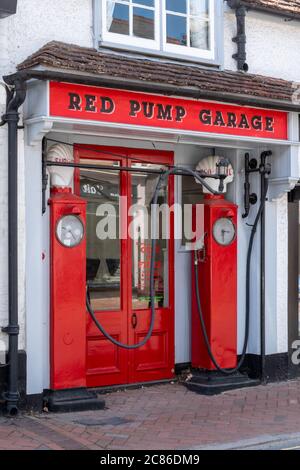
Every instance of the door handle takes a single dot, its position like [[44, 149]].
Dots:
[[134, 321]]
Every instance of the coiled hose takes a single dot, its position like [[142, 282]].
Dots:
[[163, 177], [248, 272]]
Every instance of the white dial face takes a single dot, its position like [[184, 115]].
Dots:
[[224, 231], [70, 231]]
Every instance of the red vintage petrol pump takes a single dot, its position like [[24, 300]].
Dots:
[[216, 366], [67, 295], [68, 280], [217, 262]]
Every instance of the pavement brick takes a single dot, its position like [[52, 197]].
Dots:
[[161, 417]]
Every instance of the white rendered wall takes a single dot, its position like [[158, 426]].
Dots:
[[4, 57], [273, 44], [40, 21]]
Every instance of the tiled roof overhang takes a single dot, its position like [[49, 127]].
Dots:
[[289, 8], [106, 68]]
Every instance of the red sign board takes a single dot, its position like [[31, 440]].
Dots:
[[142, 109]]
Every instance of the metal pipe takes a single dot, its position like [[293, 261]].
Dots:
[[264, 174], [240, 39], [12, 118], [88, 166]]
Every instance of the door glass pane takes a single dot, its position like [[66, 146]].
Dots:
[[143, 187], [117, 18], [143, 23], [103, 269], [176, 30], [192, 193]]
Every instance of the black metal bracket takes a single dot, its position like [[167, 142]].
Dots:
[[240, 39], [8, 8], [251, 166], [11, 330]]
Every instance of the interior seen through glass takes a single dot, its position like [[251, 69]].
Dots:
[[103, 265]]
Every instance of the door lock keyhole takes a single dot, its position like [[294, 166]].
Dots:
[[134, 321]]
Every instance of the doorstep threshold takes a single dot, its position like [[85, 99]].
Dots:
[[121, 388]]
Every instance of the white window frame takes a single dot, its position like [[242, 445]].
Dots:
[[132, 40], [159, 46], [187, 50]]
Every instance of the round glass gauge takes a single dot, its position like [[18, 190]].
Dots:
[[224, 231], [70, 231]]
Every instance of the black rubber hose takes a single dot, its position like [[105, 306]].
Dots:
[[247, 327], [152, 292], [164, 176]]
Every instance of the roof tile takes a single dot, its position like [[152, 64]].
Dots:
[[71, 57], [285, 7]]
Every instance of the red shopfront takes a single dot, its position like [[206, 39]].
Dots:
[[117, 270]]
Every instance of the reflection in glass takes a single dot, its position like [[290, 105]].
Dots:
[[176, 5], [148, 3], [143, 23], [176, 30], [143, 187], [191, 194], [199, 8], [103, 267], [199, 33], [117, 18]]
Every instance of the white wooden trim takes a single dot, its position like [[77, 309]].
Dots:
[[159, 44], [187, 50], [132, 40]]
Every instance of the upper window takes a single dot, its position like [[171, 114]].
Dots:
[[175, 27]]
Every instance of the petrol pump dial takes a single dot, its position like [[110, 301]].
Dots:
[[70, 231], [224, 231]]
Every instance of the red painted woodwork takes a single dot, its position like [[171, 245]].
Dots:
[[107, 364], [67, 279], [141, 109], [218, 293]]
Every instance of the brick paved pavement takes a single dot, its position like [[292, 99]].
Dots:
[[161, 417]]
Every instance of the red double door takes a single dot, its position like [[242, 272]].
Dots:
[[118, 236]]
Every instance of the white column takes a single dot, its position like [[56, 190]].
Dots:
[[277, 276], [37, 275]]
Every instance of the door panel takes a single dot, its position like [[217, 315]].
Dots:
[[118, 270], [106, 363], [155, 360]]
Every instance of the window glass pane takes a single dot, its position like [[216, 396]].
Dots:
[[199, 33], [103, 266], [143, 187], [199, 8], [177, 5], [117, 18], [192, 193], [176, 30], [143, 23], [148, 3]]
